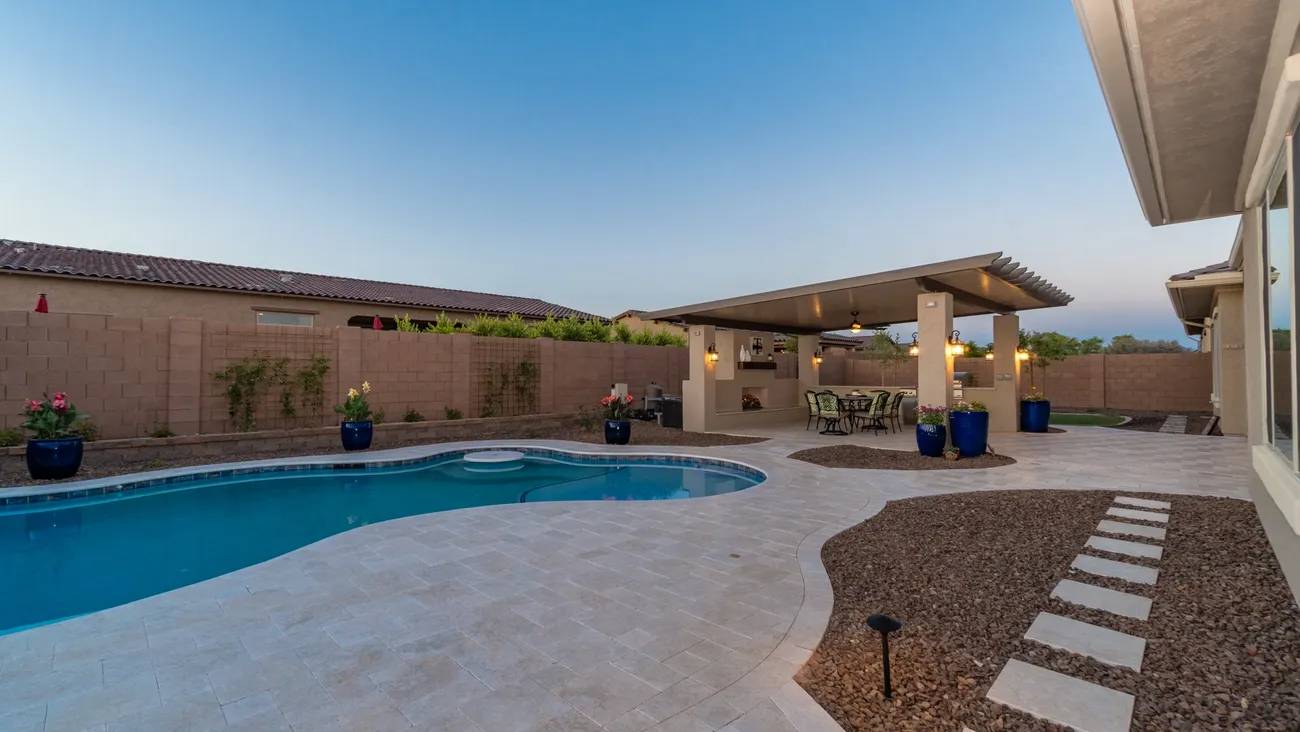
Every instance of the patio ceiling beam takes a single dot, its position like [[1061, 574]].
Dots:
[[930, 284], [747, 325]]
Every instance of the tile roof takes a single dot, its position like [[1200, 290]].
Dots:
[[20, 256], [1211, 269]]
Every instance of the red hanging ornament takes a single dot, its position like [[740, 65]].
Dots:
[[377, 324], [42, 305]]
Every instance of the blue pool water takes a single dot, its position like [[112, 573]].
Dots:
[[65, 558]]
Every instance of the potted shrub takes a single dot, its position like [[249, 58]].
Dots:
[[55, 448], [931, 434], [970, 428], [358, 428], [618, 429], [1035, 411]]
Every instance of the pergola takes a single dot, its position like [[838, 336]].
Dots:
[[930, 295]]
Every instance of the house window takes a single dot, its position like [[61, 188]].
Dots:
[[1280, 305], [277, 317]]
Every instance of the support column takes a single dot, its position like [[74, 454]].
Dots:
[[699, 392], [810, 372], [934, 365], [1004, 411]]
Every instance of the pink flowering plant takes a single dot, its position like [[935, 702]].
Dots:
[[616, 407], [52, 418], [926, 414]]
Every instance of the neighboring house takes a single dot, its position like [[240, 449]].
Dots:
[[1208, 303], [633, 320], [137, 285], [1204, 98]]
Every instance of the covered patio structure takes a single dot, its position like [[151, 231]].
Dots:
[[930, 295]]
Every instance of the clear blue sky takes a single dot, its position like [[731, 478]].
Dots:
[[587, 153]]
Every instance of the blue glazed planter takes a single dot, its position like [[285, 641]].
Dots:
[[930, 439], [357, 435], [1034, 415], [54, 459], [617, 431], [970, 432]]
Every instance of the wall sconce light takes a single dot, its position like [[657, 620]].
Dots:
[[856, 326], [988, 356], [1022, 354], [955, 346], [711, 355], [915, 348], [817, 356]]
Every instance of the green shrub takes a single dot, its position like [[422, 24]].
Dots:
[[513, 327], [572, 329], [548, 328], [412, 416], [595, 331], [442, 324], [621, 333], [643, 337], [88, 430], [11, 437], [668, 338], [483, 325], [450, 413], [162, 431], [404, 324]]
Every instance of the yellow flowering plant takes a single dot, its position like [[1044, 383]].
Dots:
[[356, 408]]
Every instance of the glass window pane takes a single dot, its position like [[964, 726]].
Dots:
[[1278, 240], [271, 317]]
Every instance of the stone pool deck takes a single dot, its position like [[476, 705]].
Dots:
[[676, 615]]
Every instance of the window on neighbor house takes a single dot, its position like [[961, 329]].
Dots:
[[277, 317], [1280, 264]]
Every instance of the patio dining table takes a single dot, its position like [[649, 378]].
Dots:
[[856, 404]]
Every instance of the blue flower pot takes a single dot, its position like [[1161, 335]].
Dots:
[[357, 435], [54, 459], [930, 439], [1034, 415], [617, 431], [970, 432]]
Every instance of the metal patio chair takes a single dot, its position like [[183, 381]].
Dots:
[[831, 411]]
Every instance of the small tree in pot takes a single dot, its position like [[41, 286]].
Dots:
[[55, 449], [358, 428], [618, 430]]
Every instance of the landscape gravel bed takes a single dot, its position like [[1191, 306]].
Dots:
[[13, 469], [857, 456], [968, 573]]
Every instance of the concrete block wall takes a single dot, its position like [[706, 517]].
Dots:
[[132, 375]]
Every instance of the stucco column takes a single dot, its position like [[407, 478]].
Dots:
[[1256, 345], [1004, 411], [810, 372], [699, 392], [933, 364]]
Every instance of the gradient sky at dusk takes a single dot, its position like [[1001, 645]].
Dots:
[[600, 155]]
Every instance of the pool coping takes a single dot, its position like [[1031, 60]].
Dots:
[[377, 460]]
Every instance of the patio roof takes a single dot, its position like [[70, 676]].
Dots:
[[982, 284]]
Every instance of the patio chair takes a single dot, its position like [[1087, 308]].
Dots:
[[814, 416], [894, 413], [874, 417], [831, 411]]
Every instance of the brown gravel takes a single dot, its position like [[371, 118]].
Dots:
[[870, 458], [13, 469], [1223, 639]]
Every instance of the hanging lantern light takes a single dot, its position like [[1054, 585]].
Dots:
[[817, 356], [711, 355], [915, 348], [955, 346], [1022, 354], [988, 356], [856, 326], [42, 305]]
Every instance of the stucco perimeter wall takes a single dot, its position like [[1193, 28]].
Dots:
[[133, 375], [1155, 382]]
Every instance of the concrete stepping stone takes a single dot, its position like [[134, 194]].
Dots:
[[1119, 570], [1103, 598], [1144, 503], [1108, 646], [1123, 546], [1062, 699], [1133, 513], [1123, 527]]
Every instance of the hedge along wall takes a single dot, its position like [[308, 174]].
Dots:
[[133, 375], [1141, 382]]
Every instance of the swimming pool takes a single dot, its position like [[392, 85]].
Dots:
[[63, 558]]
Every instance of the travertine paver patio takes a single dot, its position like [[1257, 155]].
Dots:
[[681, 615]]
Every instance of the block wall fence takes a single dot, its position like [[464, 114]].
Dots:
[[132, 375], [1141, 382]]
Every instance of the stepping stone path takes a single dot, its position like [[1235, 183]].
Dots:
[[1065, 700], [1175, 424]]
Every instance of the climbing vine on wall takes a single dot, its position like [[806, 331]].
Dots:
[[508, 389], [248, 380]]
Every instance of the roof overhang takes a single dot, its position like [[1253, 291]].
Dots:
[[983, 284], [1193, 297], [1190, 87]]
